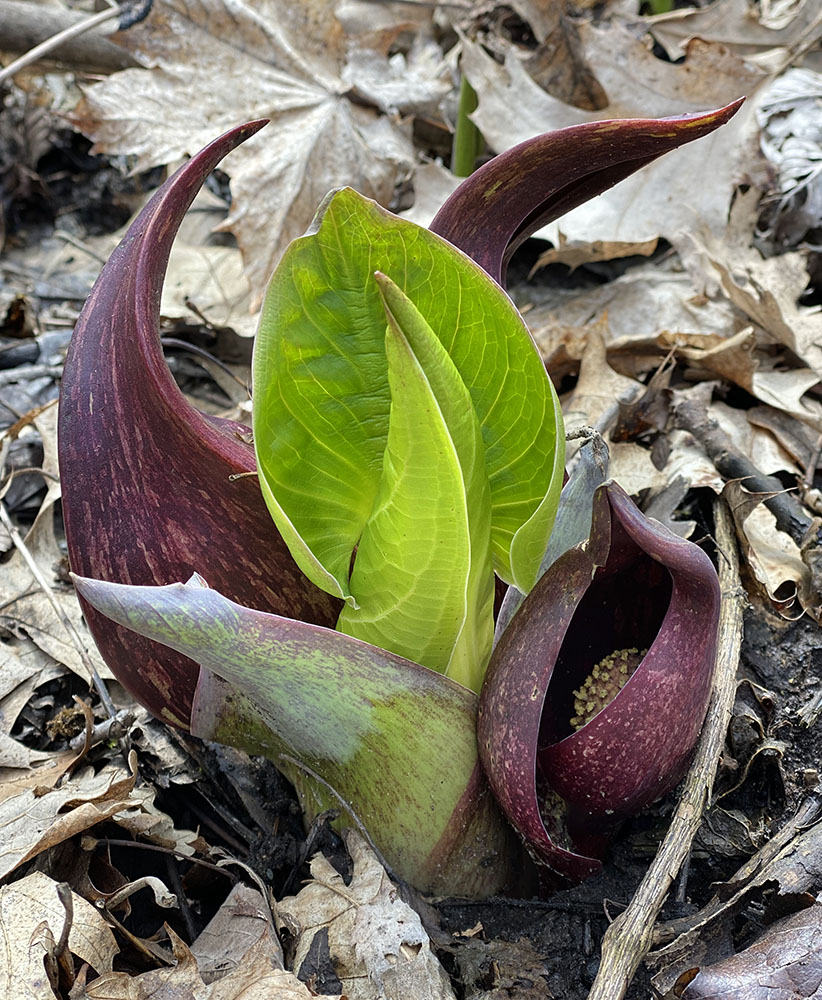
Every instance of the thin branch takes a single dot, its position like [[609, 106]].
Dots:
[[629, 937], [26, 25], [50, 44]]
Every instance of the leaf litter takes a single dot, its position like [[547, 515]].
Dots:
[[658, 295]]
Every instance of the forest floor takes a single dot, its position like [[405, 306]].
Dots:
[[678, 314]]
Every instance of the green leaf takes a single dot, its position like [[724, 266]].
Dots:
[[393, 741], [425, 556], [321, 396]]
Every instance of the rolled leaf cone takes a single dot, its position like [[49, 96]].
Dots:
[[635, 584], [148, 493], [390, 742], [516, 193]]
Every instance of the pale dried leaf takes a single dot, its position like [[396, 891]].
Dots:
[[18, 755], [737, 360], [243, 918], [759, 445], [256, 977], [213, 280], [767, 292], [731, 23], [772, 556], [412, 85], [23, 668], [641, 303], [37, 779], [572, 254], [214, 63], [25, 608], [142, 818], [433, 185], [377, 943], [27, 905], [792, 142], [660, 199], [30, 823], [595, 399]]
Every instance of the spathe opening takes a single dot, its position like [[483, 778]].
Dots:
[[624, 607]]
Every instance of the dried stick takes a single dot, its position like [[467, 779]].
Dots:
[[791, 516], [629, 937], [24, 25], [50, 44]]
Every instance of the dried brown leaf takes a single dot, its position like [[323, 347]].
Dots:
[[785, 963], [774, 559], [767, 292], [734, 23], [27, 909], [38, 779], [256, 977], [574, 254], [376, 941], [241, 921], [212, 64], [31, 823], [660, 199]]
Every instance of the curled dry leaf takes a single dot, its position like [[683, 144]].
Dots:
[[38, 816], [255, 977], [243, 918], [785, 963], [30, 823], [24, 608], [734, 23], [772, 556]]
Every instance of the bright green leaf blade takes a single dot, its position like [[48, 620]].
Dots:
[[321, 397], [395, 741], [423, 578]]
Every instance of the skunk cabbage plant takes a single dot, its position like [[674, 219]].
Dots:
[[408, 450]]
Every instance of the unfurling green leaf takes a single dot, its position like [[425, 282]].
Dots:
[[424, 556], [321, 395]]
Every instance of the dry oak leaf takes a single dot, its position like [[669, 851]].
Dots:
[[212, 63], [767, 291], [32, 919], [379, 948], [243, 918], [32, 822], [734, 23]]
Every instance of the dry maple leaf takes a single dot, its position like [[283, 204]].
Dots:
[[664, 198], [212, 63]]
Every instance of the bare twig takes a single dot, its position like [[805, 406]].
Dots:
[[50, 44], [791, 516], [629, 937], [113, 728], [26, 25], [24, 373]]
